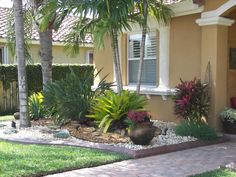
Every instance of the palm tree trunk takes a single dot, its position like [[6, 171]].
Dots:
[[116, 59], [22, 81], [46, 55], [143, 43]]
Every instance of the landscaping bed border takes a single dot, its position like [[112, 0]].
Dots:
[[130, 152]]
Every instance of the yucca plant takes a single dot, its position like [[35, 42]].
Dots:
[[113, 107], [70, 98], [36, 108]]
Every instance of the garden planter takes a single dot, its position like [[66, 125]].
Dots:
[[142, 135], [229, 127]]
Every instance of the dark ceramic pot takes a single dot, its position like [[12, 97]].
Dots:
[[142, 135], [229, 127]]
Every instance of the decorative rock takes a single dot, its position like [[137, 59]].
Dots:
[[53, 127], [10, 131], [16, 115], [62, 134], [231, 166], [2, 125]]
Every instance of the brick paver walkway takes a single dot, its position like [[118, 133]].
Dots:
[[176, 164]]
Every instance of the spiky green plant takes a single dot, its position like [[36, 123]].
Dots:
[[36, 107], [113, 107]]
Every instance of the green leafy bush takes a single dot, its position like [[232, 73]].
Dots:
[[8, 73], [112, 107], [70, 98], [36, 108], [228, 115], [191, 100], [195, 129], [8, 77]]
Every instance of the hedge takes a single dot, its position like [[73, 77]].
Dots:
[[8, 73]]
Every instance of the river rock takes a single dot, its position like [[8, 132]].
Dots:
[[10, 131], [62, 134]]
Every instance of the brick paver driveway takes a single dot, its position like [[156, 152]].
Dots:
[[176, 164]]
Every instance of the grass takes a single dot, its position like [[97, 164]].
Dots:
[[6, 118], [28, 160], [217, 173]]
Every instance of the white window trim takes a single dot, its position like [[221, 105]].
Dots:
[[87, 56], [145, 58], [162, 88]]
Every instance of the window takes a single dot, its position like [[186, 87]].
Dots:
[[89, 57], [3, 55], [150, 59]]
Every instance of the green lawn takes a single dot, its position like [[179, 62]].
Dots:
[[25, 160], [6, 118], [218, 173]]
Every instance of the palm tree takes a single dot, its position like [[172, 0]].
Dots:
[[108, 18], [162, 13], [22, 84], [45, 37]]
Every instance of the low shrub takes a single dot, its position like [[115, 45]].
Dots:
[[36, 107], [198, 130], [191, 100], [228, 115], [112, 108], [70, 98]]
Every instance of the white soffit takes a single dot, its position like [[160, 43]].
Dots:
[[186, 7], [215, 21]]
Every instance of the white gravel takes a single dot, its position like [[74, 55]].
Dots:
[[40, 133]]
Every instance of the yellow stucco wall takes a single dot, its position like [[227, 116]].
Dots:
[[185, 62], [213, 4], [231, 90], [215, 52], [185, 49], [61, 56]]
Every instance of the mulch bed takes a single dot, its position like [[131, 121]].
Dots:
[[86, 133]]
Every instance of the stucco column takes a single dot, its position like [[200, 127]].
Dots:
[[164, 32], [215, 55]]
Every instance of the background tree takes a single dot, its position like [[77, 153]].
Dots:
[[162, 13], [22, 82], [100, 18]]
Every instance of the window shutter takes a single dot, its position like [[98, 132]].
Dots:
[[149, 65]]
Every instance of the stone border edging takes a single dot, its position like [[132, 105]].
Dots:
[[132, 153]]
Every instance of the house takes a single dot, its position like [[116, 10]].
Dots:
[[60, 56], [200, 42]]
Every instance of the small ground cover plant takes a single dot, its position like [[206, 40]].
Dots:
[[191, 104], [111, 109], [28, 160], [198, 130]]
